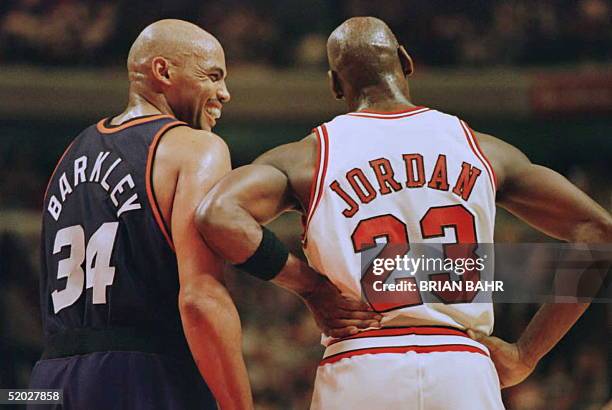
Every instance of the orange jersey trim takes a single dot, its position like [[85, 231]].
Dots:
[[149, 181], [129, 123]]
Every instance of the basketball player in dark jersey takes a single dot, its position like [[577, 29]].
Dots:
[[130, 293]]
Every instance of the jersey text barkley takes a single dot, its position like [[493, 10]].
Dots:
[[97, 172], [413, 175]]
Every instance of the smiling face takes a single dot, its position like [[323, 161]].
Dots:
[[198, 90]]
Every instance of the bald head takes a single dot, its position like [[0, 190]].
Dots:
[[177, 68], [363, 51], [175, 40]]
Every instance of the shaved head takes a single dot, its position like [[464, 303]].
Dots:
[[179, 68], [175, 40], [362, 50], [366, 58]]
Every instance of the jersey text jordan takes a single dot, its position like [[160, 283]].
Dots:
[[413, 176]]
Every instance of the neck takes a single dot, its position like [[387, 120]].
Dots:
[[391, 95], [142, 103]]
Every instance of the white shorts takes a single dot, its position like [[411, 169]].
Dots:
[[416, 368]]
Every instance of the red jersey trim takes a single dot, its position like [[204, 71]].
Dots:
[[402, 349], [149, 182], [129, 123], [403, 331], [55, 169], [389, 116], [473, 143], [407, 110], [318, 183], [315, 174]]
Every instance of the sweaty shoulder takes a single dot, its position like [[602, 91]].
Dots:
[[298, 160], [199, 158], [184, 147]]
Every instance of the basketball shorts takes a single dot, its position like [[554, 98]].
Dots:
[[122, 381], [416, 368]]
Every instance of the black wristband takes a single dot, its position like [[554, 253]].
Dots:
[[269, 258]]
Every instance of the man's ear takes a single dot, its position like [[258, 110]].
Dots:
[[334, 84], [406, 61], [160, 68]]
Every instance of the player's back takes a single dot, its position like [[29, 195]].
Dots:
[[406, 178], [106, 261], [109, 276]]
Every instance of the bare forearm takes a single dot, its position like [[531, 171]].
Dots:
[[229, 230], [557, 208], [553, 320], [212, 328], [548, 326], [235, 235], [298, 277]]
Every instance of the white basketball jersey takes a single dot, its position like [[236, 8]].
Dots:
[[416, 176]]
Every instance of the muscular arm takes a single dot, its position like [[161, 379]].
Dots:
[[231, 216], [550, 203], [544, 198], [209, 317]]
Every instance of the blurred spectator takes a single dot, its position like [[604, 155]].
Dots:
[[247, 34], [439, 33], [56, 31], [312, 51], [591, 31]]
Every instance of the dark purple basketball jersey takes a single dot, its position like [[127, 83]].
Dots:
[[106, 255]]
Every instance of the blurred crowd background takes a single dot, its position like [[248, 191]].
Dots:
[[536, 73], [439, 32]]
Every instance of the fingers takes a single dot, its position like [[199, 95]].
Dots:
[[360, 315], [340, 328], [491, 342], [474, 335], [345, 328], [360, 324], [346, 303], [343, 332]]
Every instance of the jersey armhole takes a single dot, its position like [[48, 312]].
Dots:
[[152, 199], [55, 169], [475, 147], [318, 177]]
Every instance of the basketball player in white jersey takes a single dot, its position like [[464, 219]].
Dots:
[[391, 170]]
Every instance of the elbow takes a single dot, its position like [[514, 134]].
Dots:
[[606, 230], [594, 231], [190, 305], [189, 308], [200, 303]]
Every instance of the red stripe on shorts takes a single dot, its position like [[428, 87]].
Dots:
[[402, 349]]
